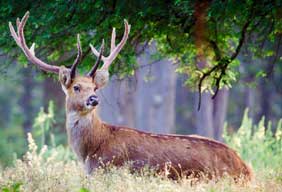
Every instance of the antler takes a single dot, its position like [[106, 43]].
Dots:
[[96, 65], [78, 58], [29, 52], [114, 49]]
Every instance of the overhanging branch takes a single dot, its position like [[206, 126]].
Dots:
[[223, 62], [241, 40]]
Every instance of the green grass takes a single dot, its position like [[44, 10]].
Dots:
[[55, 169]]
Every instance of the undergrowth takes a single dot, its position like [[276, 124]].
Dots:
[[55, 169], [259, 145]]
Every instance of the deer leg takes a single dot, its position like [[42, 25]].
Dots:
[[90, 165]]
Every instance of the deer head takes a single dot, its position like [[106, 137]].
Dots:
[[80, 90]]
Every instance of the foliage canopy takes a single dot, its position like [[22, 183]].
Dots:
[[228, 26]]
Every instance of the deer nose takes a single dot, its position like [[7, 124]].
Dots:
[[93, 100]]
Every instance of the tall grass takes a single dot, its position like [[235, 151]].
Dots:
[[55, 169], [258, 144]]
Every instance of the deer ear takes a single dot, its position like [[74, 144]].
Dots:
[[65, 76], [101, 78]]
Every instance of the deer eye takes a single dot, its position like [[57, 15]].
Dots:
[[76, 88]]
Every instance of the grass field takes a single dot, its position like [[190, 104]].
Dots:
[[55, 168], [42, 170], [59, 176]]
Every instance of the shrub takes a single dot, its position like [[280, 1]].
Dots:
[[257, 144], [13, 141]]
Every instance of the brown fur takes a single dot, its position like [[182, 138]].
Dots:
[[97, 143]]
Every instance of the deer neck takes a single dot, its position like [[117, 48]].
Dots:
[[85, 132], [76, 119]]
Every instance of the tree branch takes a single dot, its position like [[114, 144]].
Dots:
[[205, 75], [216, 50], [241, 40], [222, 61], [271, 66]]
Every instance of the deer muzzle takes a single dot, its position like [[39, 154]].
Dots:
[[92, 101]]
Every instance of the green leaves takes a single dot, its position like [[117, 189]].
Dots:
[[15, 187], [257, 143], [54, 25], [43, 122], [83, 190]]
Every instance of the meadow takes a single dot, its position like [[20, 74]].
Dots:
[[56, 169]]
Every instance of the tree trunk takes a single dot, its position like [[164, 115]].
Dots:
[[53, 91], [126, 99], [205, 116], [219, 112], [184, 116], [117, 105], [204, 122], [211, 117], [155, 96], [26, 100], [250, 100], [108, 108]]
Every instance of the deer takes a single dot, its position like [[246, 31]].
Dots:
[[97, 143]]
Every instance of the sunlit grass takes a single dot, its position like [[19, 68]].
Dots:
[[55, 169], [36, 172]]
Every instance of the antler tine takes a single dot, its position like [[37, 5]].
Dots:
[[113, 40], [78, 58], [96, 65], [29, 52], [117, 48], [95, 52], [18, 22], [13, 33], [21, 25]]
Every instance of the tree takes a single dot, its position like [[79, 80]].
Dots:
[[224, 36], [173, 24]]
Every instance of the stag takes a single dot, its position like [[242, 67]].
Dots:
[[97, 143]]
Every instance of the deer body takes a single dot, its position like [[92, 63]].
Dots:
[[97, 143]]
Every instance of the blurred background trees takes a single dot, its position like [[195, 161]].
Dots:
[[232, 45]]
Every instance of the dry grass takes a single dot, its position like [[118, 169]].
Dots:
[[38, 173]]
